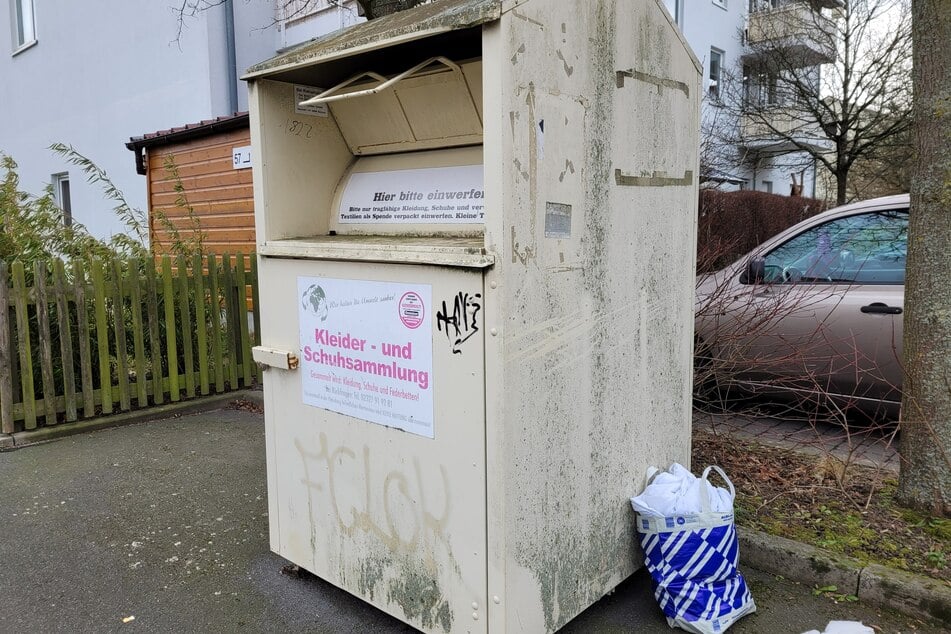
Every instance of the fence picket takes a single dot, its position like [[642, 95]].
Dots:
[[216, 335], [155, 345], [201, 324], [6, 355], [231, 330], [102, 337], [184, 310], [44, 341], [65, 339], [241, 298], [138, 334], [109, 300], [170, 337], [118, 323], [23, 341], [85, 349]]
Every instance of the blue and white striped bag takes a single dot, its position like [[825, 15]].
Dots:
[[692, 559]]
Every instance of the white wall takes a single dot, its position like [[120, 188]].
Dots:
[[98, 76], [707, 24], [256, 35], [329, 17]]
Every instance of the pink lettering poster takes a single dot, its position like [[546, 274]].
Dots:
[[366, 350]]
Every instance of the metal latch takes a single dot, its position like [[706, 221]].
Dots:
[[271, 358]]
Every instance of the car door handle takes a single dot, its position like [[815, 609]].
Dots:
[[880, 307]]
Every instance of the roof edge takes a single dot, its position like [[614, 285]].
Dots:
[[419, 22]]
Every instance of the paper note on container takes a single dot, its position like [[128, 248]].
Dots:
[[435, 195], [366, 350]]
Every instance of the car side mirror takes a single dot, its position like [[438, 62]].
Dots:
[[755, 272]]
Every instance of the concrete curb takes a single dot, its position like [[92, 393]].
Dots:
[[911, 594], [16, 440]]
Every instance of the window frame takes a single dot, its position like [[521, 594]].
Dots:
[[22, 25], [63, 196], [715, 83]]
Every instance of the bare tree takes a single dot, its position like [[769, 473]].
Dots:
[[185, 10], [789, 102], [290, 9], [925, 480]]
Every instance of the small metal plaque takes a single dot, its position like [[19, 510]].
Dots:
[[557, 220]]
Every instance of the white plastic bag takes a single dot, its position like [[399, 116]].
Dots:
[[677, 492], [844, 627], [685, 526]]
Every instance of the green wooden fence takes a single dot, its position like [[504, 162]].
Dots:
[[89, 339]]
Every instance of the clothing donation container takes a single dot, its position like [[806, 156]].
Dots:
[[476, 236]]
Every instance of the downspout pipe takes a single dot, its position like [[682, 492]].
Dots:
[[231, 57]]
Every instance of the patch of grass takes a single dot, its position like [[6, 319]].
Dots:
[[792, 495]]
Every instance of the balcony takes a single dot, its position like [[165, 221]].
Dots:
[[785, 133], [795, 31]]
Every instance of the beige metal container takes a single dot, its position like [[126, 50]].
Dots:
[[475, 230]]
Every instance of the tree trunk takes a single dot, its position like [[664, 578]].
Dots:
[[925, 480], [841, 187]]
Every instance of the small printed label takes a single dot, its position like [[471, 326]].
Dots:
[[412, 310], [303, 93], [241, 157], [557, 220]]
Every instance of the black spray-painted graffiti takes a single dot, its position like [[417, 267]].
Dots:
[[462, 322]]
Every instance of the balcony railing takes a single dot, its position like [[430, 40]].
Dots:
[[779, 130], [802, 35]]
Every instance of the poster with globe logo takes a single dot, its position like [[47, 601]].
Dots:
[[366, 350]]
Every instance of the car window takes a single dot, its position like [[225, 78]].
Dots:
[[865, 248]]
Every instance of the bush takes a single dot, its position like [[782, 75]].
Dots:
[[731, 224]]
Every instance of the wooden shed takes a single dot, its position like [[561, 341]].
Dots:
[[199, 178]]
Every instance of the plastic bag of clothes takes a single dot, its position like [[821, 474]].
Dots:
[[685, 526]]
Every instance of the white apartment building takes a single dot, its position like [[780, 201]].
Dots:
[[726, 36], [92, 75]]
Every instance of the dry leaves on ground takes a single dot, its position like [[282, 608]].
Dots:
[[820, 501]]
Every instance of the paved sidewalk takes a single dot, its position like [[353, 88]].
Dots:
[[872, 446], [167, 522]]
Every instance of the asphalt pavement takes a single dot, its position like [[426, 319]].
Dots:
[[162, 527]]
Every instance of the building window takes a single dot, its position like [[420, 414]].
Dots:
[[676, 8], [768, 187], [765, 5], [24, 27], [716, 72], [61, 194]]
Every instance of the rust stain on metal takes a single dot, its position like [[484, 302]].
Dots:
[[569, 167], [522, 16], [568, 69], [660, 82], [519, 51], [657, 179], [525, 256]]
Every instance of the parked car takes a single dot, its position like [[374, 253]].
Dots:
[[813, 313]]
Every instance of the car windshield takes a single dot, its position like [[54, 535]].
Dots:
[[866, 248]]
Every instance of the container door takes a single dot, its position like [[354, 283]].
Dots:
[[376, 443]]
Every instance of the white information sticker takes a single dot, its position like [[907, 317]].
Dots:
[[303, 93], [435, 195], [366, 350], [241, 157]]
